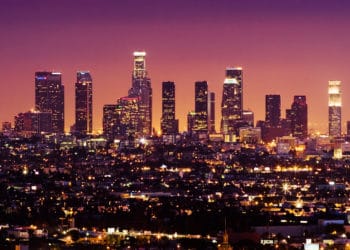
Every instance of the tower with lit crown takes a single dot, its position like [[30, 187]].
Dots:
[[83, 103], [334, 108], [232, 101], [141, 87]]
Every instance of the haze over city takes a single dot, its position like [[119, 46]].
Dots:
[[285, 47]]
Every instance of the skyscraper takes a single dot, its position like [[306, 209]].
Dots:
[[297, 116], [109, 120], [201, 107], [334, 108], [272, 110], [127, 117], [121, 120], [232, 101], [169, 125], [83, 103], [274, 126], [191, 116], [211, 112], [141, 87], [49, 97]]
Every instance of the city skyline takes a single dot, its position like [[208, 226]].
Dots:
[[289, 48], [50, 82]]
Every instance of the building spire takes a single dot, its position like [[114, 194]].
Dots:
[[225, 244]]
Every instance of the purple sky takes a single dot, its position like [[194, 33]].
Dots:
[[285, 47]]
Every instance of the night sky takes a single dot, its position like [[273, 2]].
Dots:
[[285, 47]]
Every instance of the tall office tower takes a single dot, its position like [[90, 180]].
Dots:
[[141, 87], [272, 110], [232, 101], [49, 97], [297, 116], [109, 120], [191, 117], [274, 126], [169, 125], [334, 108], [128, 123], [83, 103], [211, 112], [201, 107]]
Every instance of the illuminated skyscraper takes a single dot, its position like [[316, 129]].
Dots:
[[211, 112], [121, 120], [297, 116], [272, 110], [83, 103], [127, 117], [334, 108], [232, 101], [49, 98], [141, 87], [201, 107], [191, 116], [109, 120], [169, 125]]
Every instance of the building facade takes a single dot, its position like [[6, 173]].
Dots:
[[169, 125], [201, 107], [248, 118], [6, 127], [128, 123], [273, 127], [141, 88], [83, 103], [297, 115], [334, 108], [191, 117], [272, 110], [250, 135], [232, 101], [109, 120], [33, 122], [49, 98], [211, 113]]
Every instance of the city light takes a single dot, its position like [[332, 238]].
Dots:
[[147, 138], [139, 53]]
